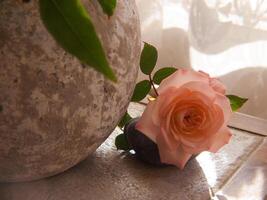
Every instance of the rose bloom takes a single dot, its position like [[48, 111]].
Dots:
[[189, 116]]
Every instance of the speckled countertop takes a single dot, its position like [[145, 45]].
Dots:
[[109, 174]]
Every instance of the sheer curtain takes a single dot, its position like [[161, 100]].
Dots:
[[226, 38]]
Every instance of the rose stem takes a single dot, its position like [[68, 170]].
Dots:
[[151, 82]]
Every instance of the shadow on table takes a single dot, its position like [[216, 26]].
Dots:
[[109, 174]]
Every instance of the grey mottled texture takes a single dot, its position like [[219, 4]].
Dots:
[[113, 175], [55, 112]]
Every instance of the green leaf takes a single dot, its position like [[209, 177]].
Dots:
[[71, 26], [148, 59], [141, 90], [122, 143], [236, 101], [162, 74], [124, 120], [108, 6], [1, 108]]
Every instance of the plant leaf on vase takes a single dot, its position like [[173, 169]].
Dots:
[[108, 6], [141, 90], [72, 27], [236, 101], [162, 74], [148, 58]]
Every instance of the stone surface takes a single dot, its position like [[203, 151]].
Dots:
[[109, 174], [250, 182], [54, 112], [219, 167]]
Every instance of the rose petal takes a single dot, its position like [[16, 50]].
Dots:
[[194, 148], [161, 102], [220, 139], [217, 85], [149, 123], [166, 139], [165, 99], [181, 77], [202, 88], [145, 123], [223, 102], [204, 138], [177, 157]]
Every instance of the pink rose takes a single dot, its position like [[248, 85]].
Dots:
[[190, 115]]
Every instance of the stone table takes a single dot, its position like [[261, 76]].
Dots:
[[110, 174], [250, 181]]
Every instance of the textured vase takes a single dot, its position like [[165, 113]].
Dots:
[[53, 111]]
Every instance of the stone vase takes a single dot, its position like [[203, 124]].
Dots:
[[54, 112]]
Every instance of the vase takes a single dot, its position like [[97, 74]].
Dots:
[[54, 110]]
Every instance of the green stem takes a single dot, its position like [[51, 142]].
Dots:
[[152, 84]]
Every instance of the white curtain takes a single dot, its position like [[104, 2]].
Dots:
[[226, 38]]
